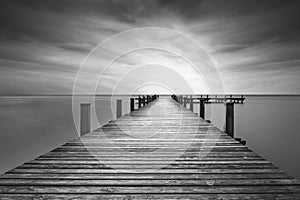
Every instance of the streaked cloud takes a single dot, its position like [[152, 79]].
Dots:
[[255, 44]]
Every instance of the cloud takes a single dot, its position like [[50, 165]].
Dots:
[[42, 41]]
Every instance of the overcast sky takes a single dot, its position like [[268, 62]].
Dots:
[[255, 45]]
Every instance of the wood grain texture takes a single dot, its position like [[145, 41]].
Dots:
[[160, 151]]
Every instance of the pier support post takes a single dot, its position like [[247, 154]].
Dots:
[[184, 101], [180, 99], [119, 108], [202, 109], [230, 119], [85, 118], [191, 104], [131, 104], [140, 102], [144, 100]]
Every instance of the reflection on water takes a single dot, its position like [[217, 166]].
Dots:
[[31, 126]]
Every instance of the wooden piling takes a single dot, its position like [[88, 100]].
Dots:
[[184, 101], [140, 102], [119, 108], [131, 104], [85, 118], [202, 108], [230, 119], [144, 100], [191, 104]]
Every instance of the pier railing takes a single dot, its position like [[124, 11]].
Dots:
[[228, 100]]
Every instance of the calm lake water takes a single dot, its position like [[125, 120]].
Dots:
[[32, 126]]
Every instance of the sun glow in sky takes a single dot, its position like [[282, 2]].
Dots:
[[254, 46]]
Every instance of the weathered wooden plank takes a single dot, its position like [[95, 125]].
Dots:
[[143, 171], [123, 162], [88, 189], [145, 145], [153, 144], [165, 149], [150, 158], [276, 196], [146, 166], [150, 182], [199, 138], [196, 135], [162, 154], [141, 176]]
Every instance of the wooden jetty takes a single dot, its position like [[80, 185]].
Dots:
[[159, 151]]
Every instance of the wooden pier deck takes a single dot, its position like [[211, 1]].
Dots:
[[160, 151]]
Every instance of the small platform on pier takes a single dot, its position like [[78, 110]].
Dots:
[[160, 151]]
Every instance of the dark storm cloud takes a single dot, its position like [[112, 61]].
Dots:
[[255, 21], [40, 21], [53, 36], [55, 21]]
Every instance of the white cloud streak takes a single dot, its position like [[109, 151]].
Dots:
[[255, 45]]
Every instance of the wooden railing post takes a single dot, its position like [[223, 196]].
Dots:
[[85, 118], [119, 108], [229, 119], [131, 104], [191, 104], [202, 108]]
